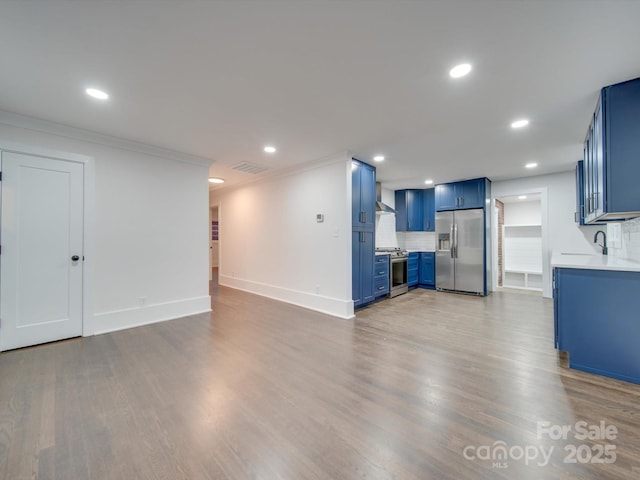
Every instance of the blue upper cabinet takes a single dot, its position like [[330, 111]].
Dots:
[[579, 215], [612, 155], [445, 197], [409, 205], [363, 191], [460, 195], [429, 222]]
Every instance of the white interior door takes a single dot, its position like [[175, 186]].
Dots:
[[41, 235]]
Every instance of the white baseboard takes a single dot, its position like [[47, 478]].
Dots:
[[331, 306], [135, 317]]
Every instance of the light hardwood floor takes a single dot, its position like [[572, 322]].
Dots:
[[263, 390]]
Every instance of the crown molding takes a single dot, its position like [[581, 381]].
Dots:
[[45, 126]]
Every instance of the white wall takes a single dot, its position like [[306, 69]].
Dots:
[[522, 213], [560, 232], [148, 234], [271, 244]]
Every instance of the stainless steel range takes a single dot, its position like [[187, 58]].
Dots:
[[397, 271]]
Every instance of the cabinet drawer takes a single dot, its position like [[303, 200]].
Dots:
[[381, 285]]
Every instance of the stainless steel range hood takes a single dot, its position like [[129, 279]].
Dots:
[[381, 208]]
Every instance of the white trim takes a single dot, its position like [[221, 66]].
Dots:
[[38, 125], [327, 305], [88, 218], [135, 317]]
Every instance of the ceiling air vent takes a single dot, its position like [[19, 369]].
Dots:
[[250, 168]]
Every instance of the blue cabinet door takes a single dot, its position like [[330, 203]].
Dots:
[[363, 195], [427, 269], [429, 223], [367, 260], [412, 269], [401, 210], [446, 198], [470, 193], [409, 210], [362, 263], [356, 290]]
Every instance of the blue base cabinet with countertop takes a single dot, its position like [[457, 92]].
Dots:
[[363, 183], [427, 270], [596, 321]]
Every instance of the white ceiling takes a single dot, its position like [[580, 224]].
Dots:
[[220, 79]]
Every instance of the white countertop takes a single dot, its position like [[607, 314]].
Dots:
[[594, 262]]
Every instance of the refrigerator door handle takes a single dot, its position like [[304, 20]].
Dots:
[[455, 240], [451, 241]]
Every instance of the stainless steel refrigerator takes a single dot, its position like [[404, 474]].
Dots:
[[460, 251]]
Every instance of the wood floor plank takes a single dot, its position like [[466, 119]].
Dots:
[[259, 389]]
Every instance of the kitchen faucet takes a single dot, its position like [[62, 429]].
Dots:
[[605, 250]]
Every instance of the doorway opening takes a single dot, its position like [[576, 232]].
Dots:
[[520, 243]]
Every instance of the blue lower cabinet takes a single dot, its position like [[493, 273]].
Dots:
[[596, 321], [362, 257], [412, 269], [381, 276], [427, 269]]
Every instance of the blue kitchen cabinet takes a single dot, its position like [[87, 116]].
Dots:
[[460, 195], [409, 206], [611, 152], [579, 215], [363, 196], [363, 182], [412, 269], [429, 222], [596, 321], [427, 269], [381, 276], [362, 262]]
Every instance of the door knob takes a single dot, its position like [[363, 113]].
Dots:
[[75, 258]]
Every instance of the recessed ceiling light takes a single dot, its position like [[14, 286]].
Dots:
[[522, 197], [531, 165], [428, 182], [460, 70], [215, 180], [520, 123], [378, 158], [270, 149], [95, 93]]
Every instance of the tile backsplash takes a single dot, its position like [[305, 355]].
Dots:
[[386, 231], [386, 236], [422, 241], [631, 238]]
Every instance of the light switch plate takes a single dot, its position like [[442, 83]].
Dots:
[[320, 217]]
